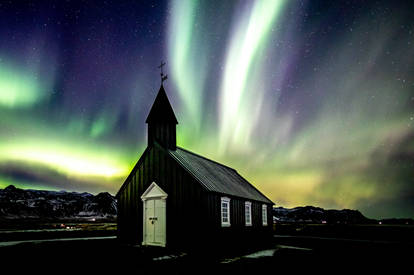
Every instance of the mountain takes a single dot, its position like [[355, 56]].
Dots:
[[311, 214], [18, 203]]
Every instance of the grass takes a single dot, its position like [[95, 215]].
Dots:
[[326, 246], [374, 232], [25, 230], [109, 253]]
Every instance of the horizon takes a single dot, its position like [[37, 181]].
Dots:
[[274, 206], [312, 102]]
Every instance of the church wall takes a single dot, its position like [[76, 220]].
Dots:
[[184, 202], [193, 214], [237, 234]]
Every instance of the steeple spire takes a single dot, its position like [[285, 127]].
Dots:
[[162, 122]]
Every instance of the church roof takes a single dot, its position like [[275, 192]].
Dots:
[[161, 110], [217, 177]]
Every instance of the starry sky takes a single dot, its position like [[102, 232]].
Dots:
[[311, 101]]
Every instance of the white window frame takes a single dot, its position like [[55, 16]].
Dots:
[[248, 213], [225, 200], [264, 214]]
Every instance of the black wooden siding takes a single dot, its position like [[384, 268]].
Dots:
[[183, 202], [237, 231], [193, 214], [164, 133]]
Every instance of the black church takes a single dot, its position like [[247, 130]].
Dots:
[[177, 198]]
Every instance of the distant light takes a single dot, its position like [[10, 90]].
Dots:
[[324, 222], [380, 223]]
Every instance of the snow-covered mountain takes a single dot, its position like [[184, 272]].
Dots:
[[17, 203], [311, 214]]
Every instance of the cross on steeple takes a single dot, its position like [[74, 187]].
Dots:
[[163, 77]]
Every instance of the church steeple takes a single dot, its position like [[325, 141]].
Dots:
[[162, 122]]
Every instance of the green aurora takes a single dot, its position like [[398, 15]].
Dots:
[[312, 103]]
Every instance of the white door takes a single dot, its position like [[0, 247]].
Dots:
[[149, 222], [154, 222], [159, 235]]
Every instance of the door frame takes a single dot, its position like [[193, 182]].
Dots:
[[158, 195]]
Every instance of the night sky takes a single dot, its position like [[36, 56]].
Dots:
[[311, 101]]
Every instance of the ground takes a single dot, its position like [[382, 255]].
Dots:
[[98, 249]]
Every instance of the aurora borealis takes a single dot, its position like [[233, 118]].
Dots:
[[311, 101]]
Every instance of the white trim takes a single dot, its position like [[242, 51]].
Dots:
[[144, 230], [248, 205], [161, 194], [225, 200], [264, 214]]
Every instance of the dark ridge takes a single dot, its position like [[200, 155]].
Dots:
[[16, 203], [311, 214]]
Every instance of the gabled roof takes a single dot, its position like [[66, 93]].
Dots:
[[161, 110], [217, 177]]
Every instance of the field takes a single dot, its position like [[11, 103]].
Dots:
[[293, 247], [374, 232]]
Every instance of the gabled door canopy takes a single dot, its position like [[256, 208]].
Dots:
[[154, 192]]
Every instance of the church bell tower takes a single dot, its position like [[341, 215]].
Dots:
[[162, 122]]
